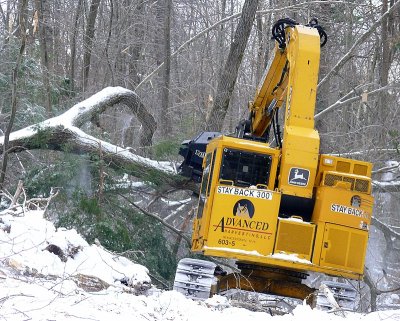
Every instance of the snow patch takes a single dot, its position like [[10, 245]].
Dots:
[[175, 203], [292, 257], [26, 246], [294, 219], [238, 251]]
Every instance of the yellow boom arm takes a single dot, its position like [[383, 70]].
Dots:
[[292, 68], [292, 75]]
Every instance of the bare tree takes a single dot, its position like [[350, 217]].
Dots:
[[42, 7], [22, 4], [88, 41], [165, 97], [77, 17], [228, 76]]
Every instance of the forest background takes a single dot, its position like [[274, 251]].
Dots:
[[187, 66]]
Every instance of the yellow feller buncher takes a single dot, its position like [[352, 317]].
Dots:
[[284, 210]]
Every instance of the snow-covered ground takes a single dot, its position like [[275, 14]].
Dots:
[[44, 273]]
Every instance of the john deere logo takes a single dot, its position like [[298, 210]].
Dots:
[[299, 176], [243, 208]]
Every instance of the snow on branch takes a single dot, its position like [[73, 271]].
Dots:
[[390, 178], [88, 109], [386, 229], [388, 187]]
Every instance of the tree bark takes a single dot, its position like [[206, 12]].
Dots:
[[385, 45], [135, 49], [43, 17], [229, 73], [220, 39], [88, 41], [385, 64], [261, 49], [73, 46], [165, 97]]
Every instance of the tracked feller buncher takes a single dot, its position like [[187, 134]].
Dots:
[[280, 209]]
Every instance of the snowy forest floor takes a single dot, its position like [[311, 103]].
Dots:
[[54, 274]]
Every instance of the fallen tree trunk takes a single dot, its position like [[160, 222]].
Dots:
[[62, 133]]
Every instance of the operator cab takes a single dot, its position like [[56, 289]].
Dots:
[[246, 164], [236, 163]]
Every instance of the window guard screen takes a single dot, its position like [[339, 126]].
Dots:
[[245, 169]]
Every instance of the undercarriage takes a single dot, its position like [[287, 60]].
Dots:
[[260, 288]]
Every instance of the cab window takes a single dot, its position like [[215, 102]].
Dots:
[[207, 174], [244, 168]]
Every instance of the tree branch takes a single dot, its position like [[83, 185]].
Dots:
[[159, 219], [367, 151], [86, 110], [226, 19], [389, 187], [359, 41], [65, 125], [340, 103], [384, 228], [96, 104]]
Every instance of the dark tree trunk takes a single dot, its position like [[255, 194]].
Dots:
[[73, 45], [385, 61], [165, 97], [261, 49], [220, 38], [385, 64], [43, 17], [88, 41], [109, 36], [229, 73], [135, 49]]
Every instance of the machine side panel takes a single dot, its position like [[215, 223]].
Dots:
[[243, 220], [344, 248], [334, 205], [295, 236]]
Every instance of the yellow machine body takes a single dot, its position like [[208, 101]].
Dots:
[[250, 205]]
